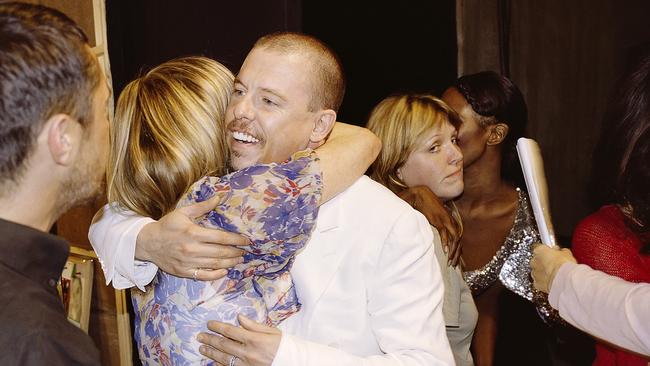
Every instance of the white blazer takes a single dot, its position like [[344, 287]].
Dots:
[[370, 287], [369, 283]]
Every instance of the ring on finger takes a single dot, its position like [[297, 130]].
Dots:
[[195, 274], [232, 361]]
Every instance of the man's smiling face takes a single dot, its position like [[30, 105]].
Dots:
[[268, 117]]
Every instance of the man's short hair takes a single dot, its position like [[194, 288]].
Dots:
[[329, 81], [46, 68]]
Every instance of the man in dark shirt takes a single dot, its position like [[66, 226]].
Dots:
[[53, 153]]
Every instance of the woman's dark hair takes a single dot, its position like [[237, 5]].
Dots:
[[633, 188], [622, 156], [498, 100]]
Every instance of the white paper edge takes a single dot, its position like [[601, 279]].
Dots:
[[532, 166]]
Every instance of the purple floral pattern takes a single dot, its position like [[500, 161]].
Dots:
[[275, 206]]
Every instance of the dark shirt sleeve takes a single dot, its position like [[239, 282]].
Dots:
[[49, 349]]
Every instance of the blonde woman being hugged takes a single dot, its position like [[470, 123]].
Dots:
[[419, 133], [169, 149]]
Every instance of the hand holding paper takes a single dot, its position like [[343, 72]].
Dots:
[[532, 166]]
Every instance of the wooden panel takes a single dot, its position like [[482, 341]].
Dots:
[[103, 320], [103, 327], [105, 316], [74, 224]]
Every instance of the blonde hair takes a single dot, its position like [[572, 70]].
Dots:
[[168, 132], [401, 122]]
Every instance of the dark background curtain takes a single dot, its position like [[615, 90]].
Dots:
[[384, 47], [566, 57], [145, 33]]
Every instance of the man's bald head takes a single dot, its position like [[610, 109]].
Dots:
[[328, 79]]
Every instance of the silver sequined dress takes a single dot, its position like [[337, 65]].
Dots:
[[511, 263]]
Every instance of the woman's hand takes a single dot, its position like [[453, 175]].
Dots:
[[424, 200], [545, 263]]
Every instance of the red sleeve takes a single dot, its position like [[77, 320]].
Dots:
[[603, 242]]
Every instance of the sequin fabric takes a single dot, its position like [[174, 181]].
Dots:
[[511, 263]]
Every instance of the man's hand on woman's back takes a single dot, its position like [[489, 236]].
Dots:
[[180, 247]]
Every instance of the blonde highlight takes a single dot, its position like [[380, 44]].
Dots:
[[168, 132]]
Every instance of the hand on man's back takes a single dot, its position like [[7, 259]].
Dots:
[[424, 200]]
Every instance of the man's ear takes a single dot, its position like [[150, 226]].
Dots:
[[498, 133], [61, 134], [324, 123]]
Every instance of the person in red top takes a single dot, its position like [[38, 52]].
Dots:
[[605, 242], [616, 239]]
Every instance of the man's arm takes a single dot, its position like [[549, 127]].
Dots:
[[131, 248]]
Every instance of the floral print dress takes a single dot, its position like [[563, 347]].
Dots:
[[275, 206]]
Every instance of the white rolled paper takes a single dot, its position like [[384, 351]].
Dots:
[[532, 166]]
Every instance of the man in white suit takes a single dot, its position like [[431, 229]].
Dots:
[[368, 281]]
